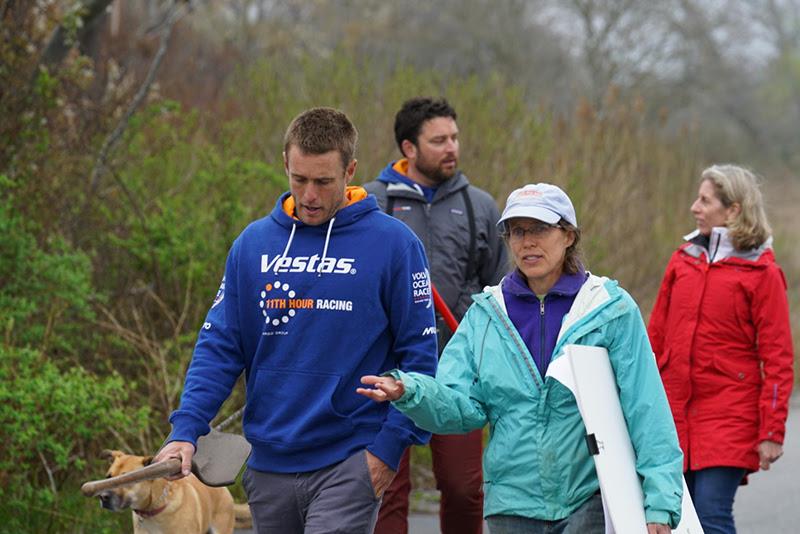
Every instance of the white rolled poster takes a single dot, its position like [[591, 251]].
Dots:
[[586, 371]]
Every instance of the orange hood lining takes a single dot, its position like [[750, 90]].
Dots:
[[352, 194], [401, 166]]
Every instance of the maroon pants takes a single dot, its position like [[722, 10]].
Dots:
[[457, 468]]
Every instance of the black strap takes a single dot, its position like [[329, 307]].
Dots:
[[472, 237], [389, 205], [591, 442]]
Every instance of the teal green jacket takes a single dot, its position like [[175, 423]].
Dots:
[[537, 463]]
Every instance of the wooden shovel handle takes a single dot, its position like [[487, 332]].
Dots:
[[156, 470]]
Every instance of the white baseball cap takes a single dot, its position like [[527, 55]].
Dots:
[[544, 202]]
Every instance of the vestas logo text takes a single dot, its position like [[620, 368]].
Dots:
[[307, 264]]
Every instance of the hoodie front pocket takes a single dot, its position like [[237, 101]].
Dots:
[[294, 408]]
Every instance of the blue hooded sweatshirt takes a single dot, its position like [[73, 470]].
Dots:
[[306, 311]]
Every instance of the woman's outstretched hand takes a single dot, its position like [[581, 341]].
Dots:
[[384, 388]]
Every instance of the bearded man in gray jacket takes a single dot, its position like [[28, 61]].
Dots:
[[456, 223]]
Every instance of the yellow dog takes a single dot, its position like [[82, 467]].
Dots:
[[160, 506]]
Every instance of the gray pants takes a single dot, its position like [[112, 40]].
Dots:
[[587, 519], [339, 498]]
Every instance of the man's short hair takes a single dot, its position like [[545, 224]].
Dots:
[[320, 130], [415, 111]]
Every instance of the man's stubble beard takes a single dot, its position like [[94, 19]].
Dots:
[[435, 173]]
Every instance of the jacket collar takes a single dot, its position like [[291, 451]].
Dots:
[[591, 308], [718, 246], [397, 184]]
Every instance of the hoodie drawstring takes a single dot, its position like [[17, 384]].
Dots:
[[324, 250], [289, 243], [327, 240]]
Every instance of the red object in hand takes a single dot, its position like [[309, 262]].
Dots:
[[441, 307]]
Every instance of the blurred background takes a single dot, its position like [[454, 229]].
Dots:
[[139, 137]]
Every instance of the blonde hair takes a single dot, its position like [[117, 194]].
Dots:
[[737, 185]]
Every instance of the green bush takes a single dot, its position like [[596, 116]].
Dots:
[[55, 415], [54, 422], [46, 289]]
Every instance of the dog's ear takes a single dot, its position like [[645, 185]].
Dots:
[[147, 460], [107, 454]]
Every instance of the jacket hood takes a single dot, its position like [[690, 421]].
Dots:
[[358, 204], [396, 181]]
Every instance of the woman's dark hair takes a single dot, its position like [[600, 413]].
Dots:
[[573, 257]]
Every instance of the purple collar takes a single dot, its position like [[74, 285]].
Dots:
[[566, 285]]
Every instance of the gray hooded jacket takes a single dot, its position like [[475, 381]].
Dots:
[[443, 226]]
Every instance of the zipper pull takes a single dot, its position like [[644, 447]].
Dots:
[[541, 307]]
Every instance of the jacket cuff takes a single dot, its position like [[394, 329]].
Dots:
[[409, 386], [659, 516], [771, 435], [186, 427]]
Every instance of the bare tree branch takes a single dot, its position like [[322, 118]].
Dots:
[[121, 440], [228, 420], [4, 7], [172, 16], [49, 472], [57, 47]]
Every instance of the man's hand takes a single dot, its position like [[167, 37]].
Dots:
[[385, 388], [183, 450], [380, 474], [658, 528], [768, 453]]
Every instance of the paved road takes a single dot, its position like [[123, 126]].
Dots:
[[770, 503]]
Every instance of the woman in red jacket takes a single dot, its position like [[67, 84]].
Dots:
[[720, 332]]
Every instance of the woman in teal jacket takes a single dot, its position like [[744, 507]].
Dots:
[[538, 472]]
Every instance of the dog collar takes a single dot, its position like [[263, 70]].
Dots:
[[155, 511], [151, 513]]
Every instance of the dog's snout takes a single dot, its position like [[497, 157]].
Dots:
[[109, 500], [105, 499]]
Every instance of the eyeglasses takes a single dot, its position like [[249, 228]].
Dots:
[[538, 230]]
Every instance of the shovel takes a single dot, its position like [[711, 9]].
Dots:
[[216, 462]]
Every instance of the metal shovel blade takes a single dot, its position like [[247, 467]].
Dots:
[[219, 458]]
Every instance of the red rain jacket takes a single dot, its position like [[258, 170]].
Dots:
[[720, 332]]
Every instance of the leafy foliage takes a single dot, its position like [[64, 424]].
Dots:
[[103, 285], [55, 414], [55, 421]]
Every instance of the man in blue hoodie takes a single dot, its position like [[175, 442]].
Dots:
[[320, 292], [457, 223]]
